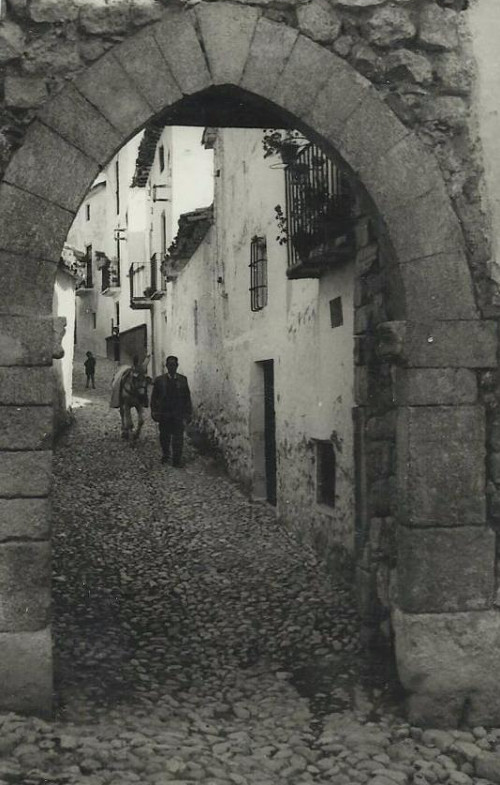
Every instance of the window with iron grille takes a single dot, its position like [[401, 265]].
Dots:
[[258, 273], [319, 204]]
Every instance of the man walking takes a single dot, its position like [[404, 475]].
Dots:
[[171, 408]]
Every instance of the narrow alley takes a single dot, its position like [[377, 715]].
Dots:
[[195, 641]]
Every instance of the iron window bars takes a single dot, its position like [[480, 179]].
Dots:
[[258, 273]]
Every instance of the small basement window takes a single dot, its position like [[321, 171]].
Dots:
[[326, 471]]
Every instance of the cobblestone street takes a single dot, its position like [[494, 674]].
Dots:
[[195, 641]]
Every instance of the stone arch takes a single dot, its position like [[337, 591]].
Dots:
[[438, 346]]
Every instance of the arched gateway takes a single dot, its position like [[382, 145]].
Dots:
[[446, 626]]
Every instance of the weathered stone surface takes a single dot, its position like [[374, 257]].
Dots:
[[76, 120], [25, 386], [494, 434], [446, 110], [390, 340], [143, 12], [26, 671], [456, 344], [27, 285], [25, 92], [44, 152], [25, 427], [181, 48], [54, 10], [106, 85], [365, 60], [407, 66], [43, 236], [11, 41], [339, 96], [428, 386], [25, 474], [144, 63], [448, 659], [24, 586], [441, 571], [382, 427], [487, 766], [437, 27], [50, 55], [440, 465], [494, 466], [24, 518], [439, 287], [227, 32], [309, 64], [268, 55], [110, 18], [319, 21], [389, 25], [353, 4], [454, 73]]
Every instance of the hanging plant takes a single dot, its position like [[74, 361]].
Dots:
[[287, 144]]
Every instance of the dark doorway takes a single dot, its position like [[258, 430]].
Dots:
[[269, 430]]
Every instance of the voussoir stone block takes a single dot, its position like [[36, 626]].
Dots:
[[25, 92], [425, 227], [267, 56], [456, 344], [24, 519], [25, 474], [75, 119], [27, 284], [25, 574], [227, 31], [26, 340], [43, 153], [439, 287], [449, 664], [337, 99], [106, 85], [178, 41], [308, 69], [141, 58], [431, 386], [441, 465], [443, 570], [23, 386], [25, 427], [43, 235], [26, 672]]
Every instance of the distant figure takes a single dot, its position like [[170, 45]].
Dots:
[[171, 408], [89, 366]]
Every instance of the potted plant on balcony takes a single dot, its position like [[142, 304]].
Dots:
[[287, 144]]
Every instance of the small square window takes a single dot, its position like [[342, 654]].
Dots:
[[325, 473]]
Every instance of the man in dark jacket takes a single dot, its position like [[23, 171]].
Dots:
[[171, 408]]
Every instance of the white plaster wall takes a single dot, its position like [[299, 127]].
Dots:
[[484, 21], [313, 363]]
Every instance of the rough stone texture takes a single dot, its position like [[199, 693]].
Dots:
[[438, 27], [25, 92], [441, 571], [353, 4], [227, 32], [27, 285], [487, 766], [181, 48], [267, 57], [54, 10], [319, 21], [106, 85], [46, 230], [449, 662], [407, 66], [44, 153], [26, 671], [457, 344], [24, 518], [110, 18], [11, 41], [389, 25], [337, 99], [24, 586], [439, 287], [441, 472], [26, 386], [444, 112], [69, 114], [428, 386], [49, 55], [25, 427], [26, 340], [141, 58], [25, 474]]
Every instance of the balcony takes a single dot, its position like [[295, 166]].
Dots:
[[110, 281], [319, 221], [144, 286], [85, 286]]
